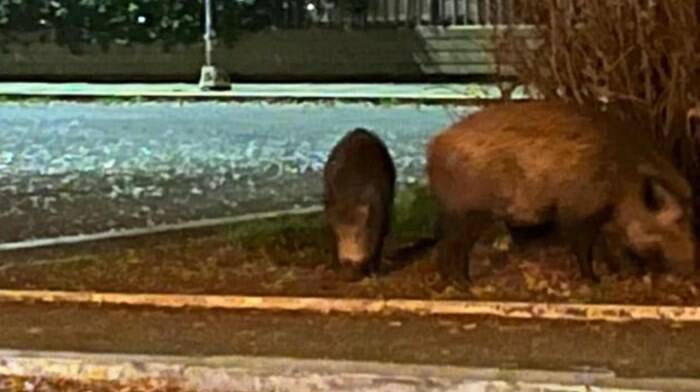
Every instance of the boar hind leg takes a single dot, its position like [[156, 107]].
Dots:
[[458, 233]]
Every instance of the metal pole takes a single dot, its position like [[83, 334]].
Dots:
[[207, 31], [211, 77]]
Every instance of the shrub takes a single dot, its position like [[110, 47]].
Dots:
[[105, 22], [638, 59]]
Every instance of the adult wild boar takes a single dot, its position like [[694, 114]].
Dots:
[[547, 163]]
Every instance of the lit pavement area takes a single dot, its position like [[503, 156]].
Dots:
[[423, 92], [71, 168]]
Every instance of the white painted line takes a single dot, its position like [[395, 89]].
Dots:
[[80, 238]]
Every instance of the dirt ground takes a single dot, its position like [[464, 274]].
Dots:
[[290, 256], [646, 349]]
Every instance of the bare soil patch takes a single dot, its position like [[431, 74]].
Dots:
[[290, 256]]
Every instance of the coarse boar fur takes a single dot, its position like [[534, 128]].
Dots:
[[359, 180], [548, 163]]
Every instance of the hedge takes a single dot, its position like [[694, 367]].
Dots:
[[107, 22], [639, 60]]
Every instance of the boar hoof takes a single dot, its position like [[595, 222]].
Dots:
[[350, 273]]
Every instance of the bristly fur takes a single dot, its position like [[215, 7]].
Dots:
[[360, 171], [540, 162]]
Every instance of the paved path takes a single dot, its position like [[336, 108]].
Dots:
[[240, 91], [73, 168]]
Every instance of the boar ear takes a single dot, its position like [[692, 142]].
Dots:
[[660, 201], [675, 183]]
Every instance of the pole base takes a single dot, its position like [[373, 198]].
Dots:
[[214, 78]]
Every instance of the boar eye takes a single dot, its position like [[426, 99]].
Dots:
[[650, 197]]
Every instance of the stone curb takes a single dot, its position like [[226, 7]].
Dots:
[[614, 313], [259, 374]]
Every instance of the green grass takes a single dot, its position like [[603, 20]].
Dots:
[[415, 213], [284, 231], [388, 102], [413, 217], [106, 100], [116, 99]]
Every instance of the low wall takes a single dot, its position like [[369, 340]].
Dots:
[[284, 55]]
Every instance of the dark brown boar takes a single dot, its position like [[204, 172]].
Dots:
[[359, 180], [545, 163]]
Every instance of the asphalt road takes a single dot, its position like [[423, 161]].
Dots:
[[640, 349], [76, 168]]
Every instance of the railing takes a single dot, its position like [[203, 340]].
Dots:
[[367, 13]]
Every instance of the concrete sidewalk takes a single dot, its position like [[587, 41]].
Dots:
[[425, 93], [263, 374]]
